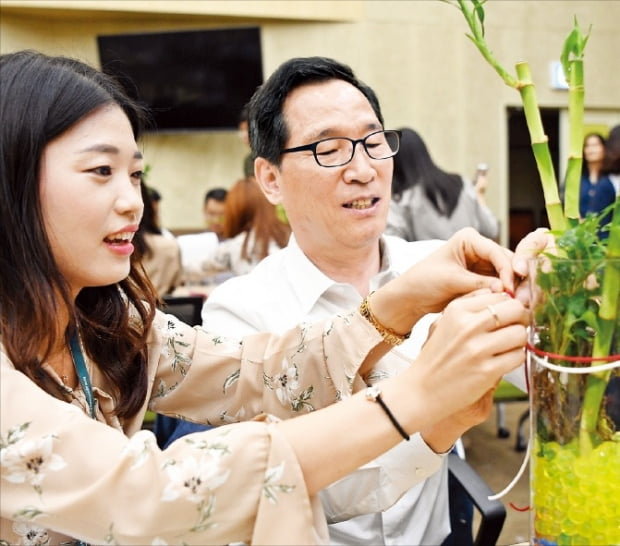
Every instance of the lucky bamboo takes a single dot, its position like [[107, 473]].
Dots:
[[560, 220]]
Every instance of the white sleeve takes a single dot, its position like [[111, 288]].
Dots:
[[379, 484]]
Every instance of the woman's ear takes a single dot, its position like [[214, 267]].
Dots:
[[268, 178]]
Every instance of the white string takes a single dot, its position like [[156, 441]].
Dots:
[[514, 481], [568, 369]]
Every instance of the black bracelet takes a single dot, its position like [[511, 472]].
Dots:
[[374, 395]]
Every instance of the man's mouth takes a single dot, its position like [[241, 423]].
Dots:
[[120, 238], [361, 204]]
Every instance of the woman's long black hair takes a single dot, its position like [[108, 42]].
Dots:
[[42, 97], [413, 165]]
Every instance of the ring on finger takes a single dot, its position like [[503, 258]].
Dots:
[[494, 315]]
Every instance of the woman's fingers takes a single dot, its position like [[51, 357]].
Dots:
[[490, 309], [472, 344]]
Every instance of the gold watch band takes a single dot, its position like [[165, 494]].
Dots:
[[388, 335]]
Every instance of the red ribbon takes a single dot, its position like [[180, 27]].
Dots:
[[583, 359]]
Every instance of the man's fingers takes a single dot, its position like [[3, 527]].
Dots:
[[484, 256], [529, 247]]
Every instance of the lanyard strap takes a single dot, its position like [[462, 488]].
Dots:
[[82, 373]]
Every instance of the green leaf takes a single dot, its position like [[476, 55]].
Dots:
[[571, 45], [591, 319], [575, 44]]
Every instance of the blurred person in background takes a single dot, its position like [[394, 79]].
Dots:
[[430, 203], [252, 229], [161, 255], [248, 160], [196, 248], [214, 210], [596, 191], [611, 163], [611, 167], [155, 198]]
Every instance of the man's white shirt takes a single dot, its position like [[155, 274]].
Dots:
[[400, 497]]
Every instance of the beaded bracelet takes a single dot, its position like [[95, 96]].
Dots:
[[388, 335], [373, 394]]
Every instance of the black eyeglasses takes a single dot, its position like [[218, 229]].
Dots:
[[335, 152]]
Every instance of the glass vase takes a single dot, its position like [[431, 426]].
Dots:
[[575, 403]]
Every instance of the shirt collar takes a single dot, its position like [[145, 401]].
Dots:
[[310, 283]]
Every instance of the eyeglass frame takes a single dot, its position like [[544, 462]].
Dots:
[[313, 146]]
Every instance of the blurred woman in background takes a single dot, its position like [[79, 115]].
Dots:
[[596, 191], [430, 203], [161, 255], [252, 229]]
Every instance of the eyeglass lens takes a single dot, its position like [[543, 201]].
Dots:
[[338, 151]]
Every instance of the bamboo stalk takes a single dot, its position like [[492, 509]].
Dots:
[[540, 148], [575, 113]]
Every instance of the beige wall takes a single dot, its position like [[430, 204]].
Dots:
[[414, 53]]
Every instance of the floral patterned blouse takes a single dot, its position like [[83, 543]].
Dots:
[[66, 477]]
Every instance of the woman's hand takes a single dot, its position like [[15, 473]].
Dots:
[[442, 435], [475, 342]]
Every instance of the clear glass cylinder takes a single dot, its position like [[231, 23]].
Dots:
[[574, 374]]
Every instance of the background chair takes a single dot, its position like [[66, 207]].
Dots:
[[492, 512], [185, 308]]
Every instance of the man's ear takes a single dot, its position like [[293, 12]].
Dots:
[[268, 178]]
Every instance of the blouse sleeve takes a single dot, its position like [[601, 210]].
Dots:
[[210, 379], [64, 475]]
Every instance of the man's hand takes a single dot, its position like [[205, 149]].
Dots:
[[531, 246], [466, 262]]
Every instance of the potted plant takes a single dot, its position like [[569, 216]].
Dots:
[[573, 352]]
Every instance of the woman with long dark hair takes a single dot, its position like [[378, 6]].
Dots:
[[596, 191], [430, 203]]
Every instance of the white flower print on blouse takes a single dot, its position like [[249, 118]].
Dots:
[[270, 488], [28, 460], [31, 535], [195, 478], [287, 388]]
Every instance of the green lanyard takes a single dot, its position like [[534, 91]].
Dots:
[[80, 367], [82, 372]]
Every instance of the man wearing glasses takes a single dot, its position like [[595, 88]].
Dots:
[[322, 152]]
